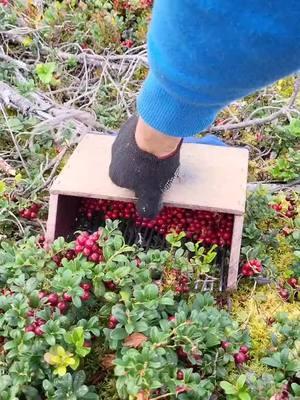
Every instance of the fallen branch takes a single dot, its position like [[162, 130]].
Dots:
[[55, 116], [259, 121], [6, 168]]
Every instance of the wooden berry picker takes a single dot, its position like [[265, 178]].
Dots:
[[205, 205]]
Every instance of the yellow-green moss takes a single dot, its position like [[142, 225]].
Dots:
[[283, 257], [254, 309]]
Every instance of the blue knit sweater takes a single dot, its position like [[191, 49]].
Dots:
[[204, 54]]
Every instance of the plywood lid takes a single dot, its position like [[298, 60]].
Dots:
[[211, 177]]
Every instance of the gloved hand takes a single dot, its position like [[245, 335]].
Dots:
[[144, 173]]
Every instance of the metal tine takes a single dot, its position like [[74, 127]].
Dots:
[[149, 239]]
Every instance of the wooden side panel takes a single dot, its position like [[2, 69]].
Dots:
[[51, 222], [235, 252], [62, 213], [211, 178]]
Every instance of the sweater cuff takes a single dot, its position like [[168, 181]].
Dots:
[[169, 114]]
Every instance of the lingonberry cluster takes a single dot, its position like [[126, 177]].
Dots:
[[289, 209], [242, 355], [30, 212], [87, 245], [251, 268], [110, 285], [69, 255], [210, 228], [55, 301], [184, 358], [35, 325], [62, 302], [177, 280]]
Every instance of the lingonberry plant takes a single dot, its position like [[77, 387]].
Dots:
[[167, 339]]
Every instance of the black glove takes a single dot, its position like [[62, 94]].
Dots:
[[147, 175]]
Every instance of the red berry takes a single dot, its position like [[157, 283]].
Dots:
[[225, 345], [112, 322], [128, 43], [244, 349], [293, 282], [57, 259], [78, 249], [94, 257], [33, 215], [86, 296], [70, 254], [29, 328], [62, 306], [87, 343], [67, 297], [181, 353], [30, 313], [110, 285], [4, 2], [40, 322], [86, 286], [38, 331], [86, 251], [180, 375], [289, 214], [172, 318], [89, 243], [138, 262], [27, 214], [42, 294], [53, 299], [81, 240], [240, 358], [95, 236], [284, 294]]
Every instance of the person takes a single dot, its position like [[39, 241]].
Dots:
[[203, 54]]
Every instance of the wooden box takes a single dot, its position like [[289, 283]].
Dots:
[[211, 178]]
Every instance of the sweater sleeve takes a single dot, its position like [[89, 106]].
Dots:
[[204, 54]]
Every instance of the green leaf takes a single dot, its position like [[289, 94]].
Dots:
[[76, 301], [296, 389], [284, 355], [293, 366], [118, 242], [228, 387], [120, 258], [79, 379], [141, 326], [82, 391], [151, 291], [244, 396], [271, 362], [5, 382], [118, 334], [212, 340], [45, 72], [50, 339], [2, 187], [241, 381], [190, 246]]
